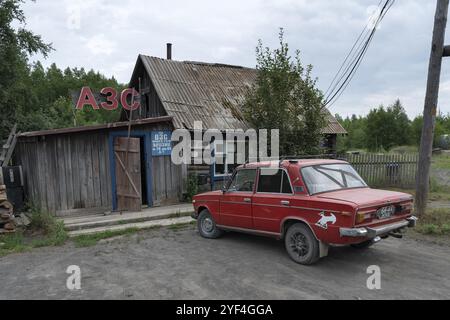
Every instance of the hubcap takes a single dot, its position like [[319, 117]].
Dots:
[[207, 225], [299, 244]]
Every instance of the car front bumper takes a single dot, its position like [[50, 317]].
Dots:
[[378, 231]]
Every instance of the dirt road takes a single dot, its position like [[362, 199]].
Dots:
[[168, 264]]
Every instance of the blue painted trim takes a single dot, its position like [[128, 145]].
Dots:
[[211, 176], [147, 158]]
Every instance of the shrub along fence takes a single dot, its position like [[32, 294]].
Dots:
[[385, 170]]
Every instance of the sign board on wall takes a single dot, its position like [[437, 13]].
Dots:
[[161, 143]]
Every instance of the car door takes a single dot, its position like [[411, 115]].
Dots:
[[236, 201], [272, 200]]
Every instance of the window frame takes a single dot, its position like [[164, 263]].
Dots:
[[235, 173], [225, 162], [281, 184], [334, 163]]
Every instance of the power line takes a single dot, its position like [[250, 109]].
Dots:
[[365, 30], [357, 66], [356, 61], [345, 77]]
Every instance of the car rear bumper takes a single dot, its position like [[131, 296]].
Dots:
[[378, 231]]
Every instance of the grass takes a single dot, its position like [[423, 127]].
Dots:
[[88, 240], [404, 149], [44, 230], [441, 161], [437, 193], [438, 189], [435, 222], [13, 243]]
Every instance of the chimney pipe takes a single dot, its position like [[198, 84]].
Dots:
[[169, 51]]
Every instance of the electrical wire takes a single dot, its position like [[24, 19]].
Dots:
[[365, 30], [344, 77]]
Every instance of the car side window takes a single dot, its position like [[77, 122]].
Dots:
[[243, 180], [286, 184], [274, 181]]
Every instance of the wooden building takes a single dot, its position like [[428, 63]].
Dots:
[[94, 168], [208, 92], [73, 169]]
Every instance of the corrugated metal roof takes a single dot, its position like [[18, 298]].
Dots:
[[211, 93]]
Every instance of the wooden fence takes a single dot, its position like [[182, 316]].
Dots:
[[385, 170]]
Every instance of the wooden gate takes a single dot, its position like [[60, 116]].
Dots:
[[128, 173]]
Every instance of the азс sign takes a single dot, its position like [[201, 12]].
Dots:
[[161, 143]]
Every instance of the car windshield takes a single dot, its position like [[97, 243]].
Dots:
[[331, 177]]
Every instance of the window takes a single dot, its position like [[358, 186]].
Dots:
[[224, 168], [274, 181], [331, 177], [286, 184], [243, 180]]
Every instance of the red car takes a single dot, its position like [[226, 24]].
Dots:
[[311, 204]]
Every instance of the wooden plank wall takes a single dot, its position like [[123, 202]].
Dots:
[[66, 172], [167, 181], [70, 172], [152, 106]]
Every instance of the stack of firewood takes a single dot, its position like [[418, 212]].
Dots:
[[6, 211]]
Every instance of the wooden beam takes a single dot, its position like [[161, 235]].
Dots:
[[430, 107]]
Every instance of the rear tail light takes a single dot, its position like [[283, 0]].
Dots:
[[364, 216], [404, 208]]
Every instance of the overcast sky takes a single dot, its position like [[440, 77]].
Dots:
[[108, 35]]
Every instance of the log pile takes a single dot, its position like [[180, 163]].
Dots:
[[7, 224]]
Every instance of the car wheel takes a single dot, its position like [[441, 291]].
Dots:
[[207, 226], [363, 245], [301, 244]]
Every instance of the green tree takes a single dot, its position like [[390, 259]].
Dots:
[[356, 135], [16, 44], [34, 97], [387, 127], [442, 127], [401, 130], [285, 97]]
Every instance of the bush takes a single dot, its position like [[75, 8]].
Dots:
[[192, 186], [43, 221]]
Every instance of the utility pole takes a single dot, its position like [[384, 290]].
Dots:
[[430, 108]]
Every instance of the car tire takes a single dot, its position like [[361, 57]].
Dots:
[[363, 245], [207, 226], [301, 244]]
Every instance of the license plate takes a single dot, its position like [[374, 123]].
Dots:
[[385, 212]]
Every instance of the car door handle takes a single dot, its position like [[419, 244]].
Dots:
[[284, 202], [247, 200]]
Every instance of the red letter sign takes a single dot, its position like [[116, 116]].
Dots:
[[111, 99], [123, 99], [86, 97]]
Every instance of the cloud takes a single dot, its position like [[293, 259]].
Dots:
[[100, 44], [111, 33]]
